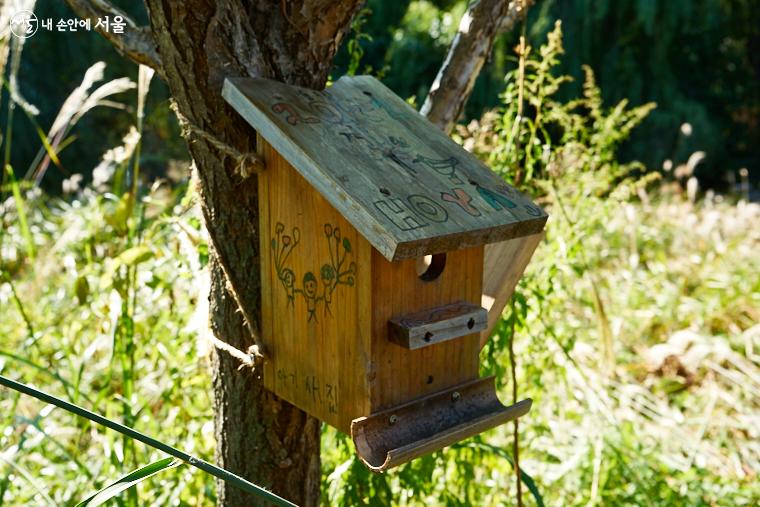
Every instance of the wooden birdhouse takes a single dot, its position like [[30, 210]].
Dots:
[[387, 254]]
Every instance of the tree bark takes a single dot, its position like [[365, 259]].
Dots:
[[479, 27], [200, 42]]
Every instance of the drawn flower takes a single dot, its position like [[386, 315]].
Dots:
[[286, 240], [327, 273], [279, 228], [328, 230], [348, 275]]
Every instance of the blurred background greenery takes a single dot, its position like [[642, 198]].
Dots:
[[699, 60]]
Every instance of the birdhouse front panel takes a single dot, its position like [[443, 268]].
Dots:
[[399, 292], [316, 298]]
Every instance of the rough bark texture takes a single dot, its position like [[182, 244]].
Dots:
[[480, 25], [200, 42]]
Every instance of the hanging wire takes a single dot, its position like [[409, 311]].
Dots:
[[214, 470]]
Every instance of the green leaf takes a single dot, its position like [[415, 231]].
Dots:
[[118, 218], [48, 147], [82, 289], [130, 257], [129, 480], [203, 255], [346, 245], [134, 255]]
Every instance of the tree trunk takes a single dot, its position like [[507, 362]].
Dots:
[[200, 42]]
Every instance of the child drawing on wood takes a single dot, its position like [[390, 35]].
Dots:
[[339, 271], [310, 294], [283, 246], [332, 274]]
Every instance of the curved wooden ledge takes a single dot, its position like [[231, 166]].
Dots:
[[393, 437]]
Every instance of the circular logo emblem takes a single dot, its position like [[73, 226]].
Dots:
[[24, 24]]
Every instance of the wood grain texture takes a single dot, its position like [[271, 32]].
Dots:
[[402, 183], [503, 265], [431, 326], [317, 274], [399, 374]]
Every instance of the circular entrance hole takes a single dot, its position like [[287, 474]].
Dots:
[[430, 267]]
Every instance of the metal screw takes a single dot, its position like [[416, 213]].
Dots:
[[455, 396], [393, 419]]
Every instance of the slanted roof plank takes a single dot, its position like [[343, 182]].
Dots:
[[407, 187]]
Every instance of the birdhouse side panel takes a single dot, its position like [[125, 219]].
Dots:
[[399, 374], [316, 269]]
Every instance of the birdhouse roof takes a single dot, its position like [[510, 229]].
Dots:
[[404, 184]]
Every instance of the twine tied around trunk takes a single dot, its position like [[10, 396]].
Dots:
[[247, 164]]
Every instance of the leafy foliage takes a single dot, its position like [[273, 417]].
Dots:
[[699, 60], [635, 328]]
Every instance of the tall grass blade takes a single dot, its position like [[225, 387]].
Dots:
[[131, 479], [214, 470], [21, 212], [78, 103]]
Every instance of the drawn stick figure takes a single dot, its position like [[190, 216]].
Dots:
[[310, 294], [288, 279]]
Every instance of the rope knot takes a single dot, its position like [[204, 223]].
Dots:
[[246, 164]]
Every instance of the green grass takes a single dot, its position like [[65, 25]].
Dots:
[[635, 331], [675, 422], [75, 294]]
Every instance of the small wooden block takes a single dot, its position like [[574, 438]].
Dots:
[[421, 329]]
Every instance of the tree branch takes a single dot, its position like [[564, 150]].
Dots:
[[517, 10], [136, 43], [480, 25]]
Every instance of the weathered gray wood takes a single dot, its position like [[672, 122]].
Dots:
[[405, 186], [428, 327], [395, 436]]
